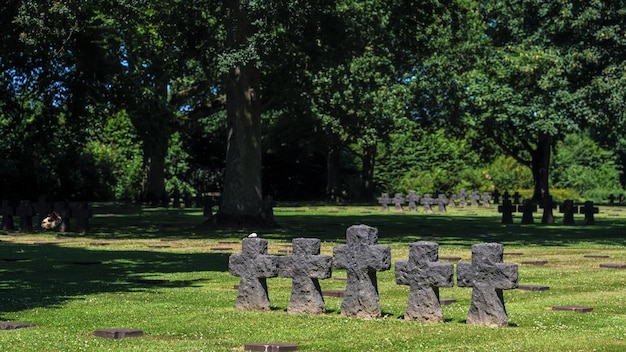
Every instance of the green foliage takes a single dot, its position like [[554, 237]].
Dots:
[[508, 174], [177, 167]]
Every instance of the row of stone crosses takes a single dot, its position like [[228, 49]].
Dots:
[[27, 211], [362, 258], [510, 204]]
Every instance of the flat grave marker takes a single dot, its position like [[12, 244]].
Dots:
[[535, 262], [270, 347], [596, 256], [613, 266], [118, 333], [12, 325], [532, 287], [578, 309]]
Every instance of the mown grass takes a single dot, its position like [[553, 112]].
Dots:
[[193, 310]]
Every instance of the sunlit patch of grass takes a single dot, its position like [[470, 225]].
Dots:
[[186, 299]]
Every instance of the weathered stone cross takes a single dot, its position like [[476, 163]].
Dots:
[[424, 275], [253, 266], [361, 257], [305, 267], [488, 276]]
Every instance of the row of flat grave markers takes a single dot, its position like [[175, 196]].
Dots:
[[362, 257], [81, 212], [427, 201]]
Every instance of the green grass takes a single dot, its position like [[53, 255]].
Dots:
[[193, 310]]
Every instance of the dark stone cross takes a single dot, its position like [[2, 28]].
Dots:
[[527, 209], [488, 276], [441, 202], [507, 209], [474, 197], [25, 211], [398, 201], [412, 198], [548, 205], [253, 266], [384, 201], [611, 199], [8, 211], [451, 202], [462, 197], [516, 198], [427, 201], [176, 199], [424, 275], [568, 209], [362, 258], [486, 197], [588, 209], [306, 266], [496, 196]]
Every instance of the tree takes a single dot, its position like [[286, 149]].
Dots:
[[530, 87]]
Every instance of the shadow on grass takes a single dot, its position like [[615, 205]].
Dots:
[[330, 224], [47, 275]]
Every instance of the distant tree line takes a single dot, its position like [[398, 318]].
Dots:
[[317, 100]]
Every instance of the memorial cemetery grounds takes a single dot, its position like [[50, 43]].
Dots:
[[156, 270]]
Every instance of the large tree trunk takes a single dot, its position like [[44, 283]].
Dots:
[[154, 153], [541, 172], [242, 197], [367, 172]]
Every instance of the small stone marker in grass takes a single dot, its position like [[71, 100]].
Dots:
[[446, 301], [118, 333], [450, 259], [270, 347], [361, 257], [596, 256], [532, 287], [333, 293], [613, 266], [221, 248], [488, 276], [535, 262], [253, 266], [306, 266], [86, 262], [12, 325], [424, 275], [578, 309]]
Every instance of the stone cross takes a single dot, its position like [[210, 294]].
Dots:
[[424, 275], [305, 267], [611, 199], [384, 201], [496, 196], [412, 198], [427, 201], [486, 197], [488, 276], [527, 208], [588, 209], [474, 197], [451, 202], [441, 202], [462, 197], [25, 211], [362, 257], [8, 211], [507, 209], [548, 205], [568, 209], [253, 266], [176, 198], [398, 201]]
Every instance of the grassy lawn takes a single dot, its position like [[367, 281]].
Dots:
[[71, 285]]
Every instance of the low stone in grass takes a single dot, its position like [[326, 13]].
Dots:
[[361, 257], [270, 347], [488, 276], [424, 275], [12, 325], [532, 287], [578, 309], [118, 333], [253, 266], [613, 266], [306, 266]]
